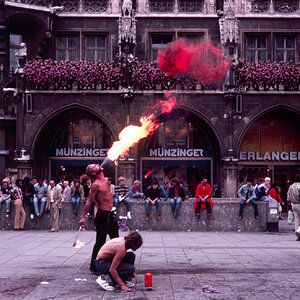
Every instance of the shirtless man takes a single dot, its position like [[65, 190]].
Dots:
[[106, 220], [114, 260]]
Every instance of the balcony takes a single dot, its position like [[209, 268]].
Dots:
[[268, 76], [268, 7], [104, 76]]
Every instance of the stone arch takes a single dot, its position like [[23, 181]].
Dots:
[[258, 115]]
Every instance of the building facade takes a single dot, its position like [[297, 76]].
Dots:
[[53, 124]]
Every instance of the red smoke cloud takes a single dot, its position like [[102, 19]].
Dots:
[[203, 61]]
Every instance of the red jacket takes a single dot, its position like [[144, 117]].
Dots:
[[275, 195], [200, 192]]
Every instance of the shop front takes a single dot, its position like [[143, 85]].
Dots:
[[271, 147], [183, 147], [69, 142]]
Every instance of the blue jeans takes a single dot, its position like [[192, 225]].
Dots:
[[36, 205], [135, 195], [267, 199], [31, 204], [125, 269], [7, 202], [243, 203], [175, 204], [126, 201], [75, 204], [149, 205]]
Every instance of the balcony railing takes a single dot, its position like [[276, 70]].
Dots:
[[84, 75], [70, 6], [268, 76], [268, 7]]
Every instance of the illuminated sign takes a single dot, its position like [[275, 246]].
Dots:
[[178, 152], [80, 152]]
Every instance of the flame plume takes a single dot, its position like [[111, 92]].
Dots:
[[132, 134]]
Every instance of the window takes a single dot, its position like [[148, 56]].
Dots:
[[14, 44], [159, 42], [67, 48], [191, 38], [285, 48], [256, 48], [95, 47], [190, 6], [161, 6]]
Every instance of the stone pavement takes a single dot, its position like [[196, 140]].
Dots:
[[241, 265]]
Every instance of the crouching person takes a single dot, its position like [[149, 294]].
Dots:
[[116, 263]]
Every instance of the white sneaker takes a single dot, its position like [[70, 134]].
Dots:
[[104, 284], [31, 216], [129, 284], [129, 215]]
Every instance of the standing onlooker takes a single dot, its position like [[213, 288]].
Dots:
[[121, 194], [203, 198], [40, 189], [134, 191], [77, 196], [246, 193], [176, 195], [86, 189], [153, 195], [262, 191], [20, 214], [54, 199], [28, 191], [66, 191], [293, 196], [275, 194], [5, 196]]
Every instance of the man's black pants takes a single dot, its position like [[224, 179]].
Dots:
[[106, 223], [125, 269]]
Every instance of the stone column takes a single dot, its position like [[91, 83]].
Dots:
[[230, 173], [127, 168]]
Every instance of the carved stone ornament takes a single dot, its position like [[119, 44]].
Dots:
[[286, 6], [162, 6], [70, 5], [228, 23], [260, 6], [127, 24], [22, 50], [190, 6], [95, 6]]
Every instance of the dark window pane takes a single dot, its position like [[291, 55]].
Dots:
[[251, 56], [279, 42], [101, 41], [262, 55], [154, 54], [72, 54], [90, 41], [101, 55], [261, 42], [61, 54], [90, 55], [192, 38], [290, 42], [279, 56], [251, 42], [291, 57], [72, 42]]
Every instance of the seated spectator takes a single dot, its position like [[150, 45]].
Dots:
[[275, 194], [112, 188], [76, 195], [40, 196], [203, 199], [153, 195], [86, 189], [5, 196], [28, 191], [34, 180], [186, 190], [134, 191], [66, 191], [121, 194], [262, 191], [246, 193], [176, 195]]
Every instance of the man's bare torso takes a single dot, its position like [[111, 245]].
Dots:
[[103, 196], [110, 249]]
